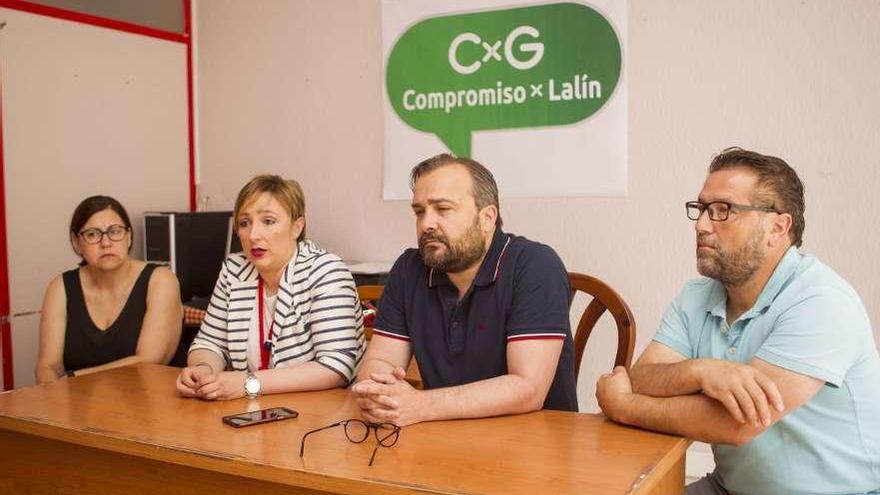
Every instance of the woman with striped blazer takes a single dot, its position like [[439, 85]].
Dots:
[[284, 315]]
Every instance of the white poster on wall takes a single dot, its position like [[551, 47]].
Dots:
[[536, 92]]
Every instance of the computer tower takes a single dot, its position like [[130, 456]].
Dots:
[[192, 244], [233, 243]]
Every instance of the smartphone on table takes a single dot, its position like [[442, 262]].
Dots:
[[259, 417]]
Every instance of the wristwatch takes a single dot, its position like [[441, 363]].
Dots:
[[251, 386]]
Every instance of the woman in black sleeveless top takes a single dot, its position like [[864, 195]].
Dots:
[[111, 311]]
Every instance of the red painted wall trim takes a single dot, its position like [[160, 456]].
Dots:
[[187, 14], [93, 20], [5, 326]]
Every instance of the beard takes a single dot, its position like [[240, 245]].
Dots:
[[459, 254], [733, 268]]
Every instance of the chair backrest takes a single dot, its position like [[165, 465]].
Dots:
[[369, 296], [604, 299]]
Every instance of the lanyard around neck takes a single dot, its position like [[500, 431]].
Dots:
[[265, 340]]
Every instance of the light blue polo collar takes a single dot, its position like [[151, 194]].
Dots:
[[717, 302]]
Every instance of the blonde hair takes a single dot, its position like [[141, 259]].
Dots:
[[288, 192]]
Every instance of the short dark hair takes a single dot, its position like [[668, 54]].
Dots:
[[485, 190], [779, 186], [92, 205]]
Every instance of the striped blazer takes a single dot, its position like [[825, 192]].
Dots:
[[317, 313]]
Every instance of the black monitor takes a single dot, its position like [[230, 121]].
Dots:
[[193, 245]]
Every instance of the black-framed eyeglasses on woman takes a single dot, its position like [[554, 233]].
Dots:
[[719, 211], [357, 431], [114, 232]]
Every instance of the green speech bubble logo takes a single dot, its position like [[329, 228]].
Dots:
[[524, 67]]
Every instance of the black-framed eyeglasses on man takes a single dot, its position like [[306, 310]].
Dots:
[[114, 232], [719, 211], [357, 431]]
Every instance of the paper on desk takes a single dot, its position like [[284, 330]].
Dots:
[[369, 267]]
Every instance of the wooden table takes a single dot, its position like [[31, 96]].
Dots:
[[126, 431]]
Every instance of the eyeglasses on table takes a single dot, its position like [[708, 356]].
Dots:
[[357, 431]]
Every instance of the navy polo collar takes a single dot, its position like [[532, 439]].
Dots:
[[491, 267], [489, 270]]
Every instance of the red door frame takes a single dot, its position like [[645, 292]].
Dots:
[[33, 8]]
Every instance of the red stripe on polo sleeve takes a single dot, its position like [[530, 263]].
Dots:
[[391, 335], [536, 336]]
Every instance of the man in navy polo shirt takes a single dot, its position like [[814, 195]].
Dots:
[[485, 313]]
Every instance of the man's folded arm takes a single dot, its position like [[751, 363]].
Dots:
[[386, 351], [531, 367], [703, 418], [663, 372]]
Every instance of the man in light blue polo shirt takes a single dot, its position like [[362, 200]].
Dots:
[[770, 357]]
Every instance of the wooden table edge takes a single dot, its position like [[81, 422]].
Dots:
[[659, 471], [211, 461]]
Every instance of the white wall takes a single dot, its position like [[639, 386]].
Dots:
[[294, 87], [86, 110]]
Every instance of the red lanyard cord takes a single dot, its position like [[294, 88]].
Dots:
[[265, 340]]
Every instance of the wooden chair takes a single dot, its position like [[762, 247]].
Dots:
[[604, 299], [369, 296]]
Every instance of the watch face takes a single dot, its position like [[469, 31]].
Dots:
[[252, 385]]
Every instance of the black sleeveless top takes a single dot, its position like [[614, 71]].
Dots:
[[85, 345]]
